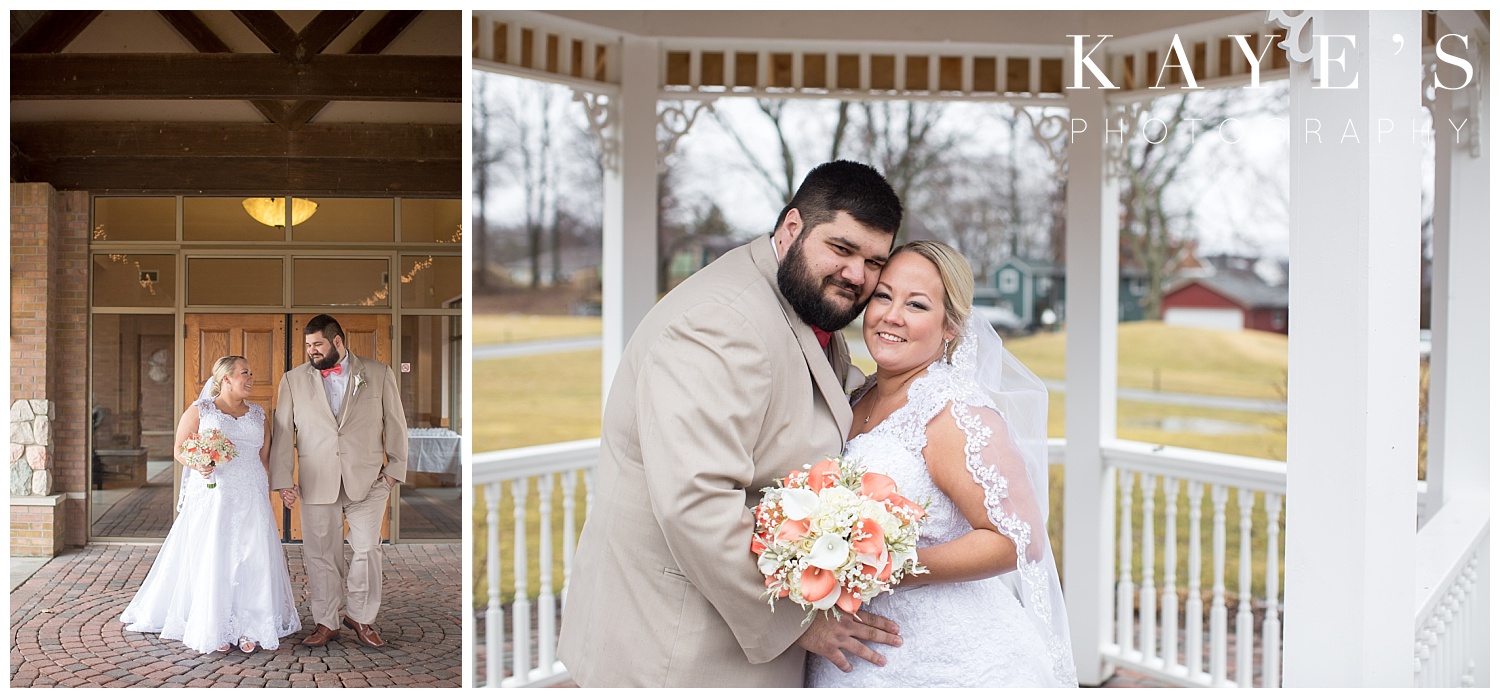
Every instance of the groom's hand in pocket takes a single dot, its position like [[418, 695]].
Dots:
[[832, 639]]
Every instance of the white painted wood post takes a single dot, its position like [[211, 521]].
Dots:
[[570, 528], [1093, 250], [494, 616], [1148, 567], [629, 254], [520, 608], [1271, 627], [1218, 614], [1194, 617], [1169, 568], [1125, 591], [1351, 436], [1458, 417], [1244, 622], [546, 621]]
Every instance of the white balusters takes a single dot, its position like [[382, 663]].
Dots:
[[1244, 622], [1148, 566], [1270, 630], [1125, 597], [520, 611], [1194, 618], [1218, 615], [546, 601], [1169, 593], [494, 617]]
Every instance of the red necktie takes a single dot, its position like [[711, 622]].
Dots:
[[823, 336], [338, 369]]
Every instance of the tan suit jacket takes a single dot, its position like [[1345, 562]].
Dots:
[[721, 390], [368, 435]]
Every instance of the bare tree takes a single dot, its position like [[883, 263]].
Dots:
[[529, 117], [1156, 227], [488, 152]]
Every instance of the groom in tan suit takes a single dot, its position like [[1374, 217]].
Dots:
[[733, 379], [350, 440]]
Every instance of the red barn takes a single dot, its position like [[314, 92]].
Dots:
[[1229, 300]]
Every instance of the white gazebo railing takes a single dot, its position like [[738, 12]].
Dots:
[[1453, 579], [536, 469], [1196, 478]]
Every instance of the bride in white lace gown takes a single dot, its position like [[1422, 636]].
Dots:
[[960, 425], [221, 576]]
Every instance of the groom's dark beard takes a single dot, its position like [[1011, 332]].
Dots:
[[329, 360], [804, 292]]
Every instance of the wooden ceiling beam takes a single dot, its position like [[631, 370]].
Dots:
[[271, 29], [198, 34], [374, 41], [322, 30], [180, 140], [250, 176], [236, 76], [53, 31]]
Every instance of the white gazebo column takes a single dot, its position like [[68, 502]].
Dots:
[[629, 264], [1093, 250], [1352, 394], [1458, 443]]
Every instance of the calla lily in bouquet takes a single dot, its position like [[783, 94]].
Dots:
[[832, 536], [205, 449]]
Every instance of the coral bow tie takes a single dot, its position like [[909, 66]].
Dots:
[[822, 335], [336, 370]]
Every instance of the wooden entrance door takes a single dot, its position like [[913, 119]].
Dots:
[[367, 336], [261, 339]]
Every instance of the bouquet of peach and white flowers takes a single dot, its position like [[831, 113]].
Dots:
[[833, 536], [205, 449]]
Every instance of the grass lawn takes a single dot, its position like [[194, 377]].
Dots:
[[504, 329], [544, 399]]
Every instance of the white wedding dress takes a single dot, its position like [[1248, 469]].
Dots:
[[221, 575], [966, 634]]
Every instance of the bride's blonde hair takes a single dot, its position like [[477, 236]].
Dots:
[[223, 367], [958, 282]]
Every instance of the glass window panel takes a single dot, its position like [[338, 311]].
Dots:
[[118, 218], [349, 220], [430, 393], [249, 281], [135, 280], [346, 282], [132, 418], [430, 282], [214, 219], [431, 220]]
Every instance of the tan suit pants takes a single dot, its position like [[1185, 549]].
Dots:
[[323, 555]]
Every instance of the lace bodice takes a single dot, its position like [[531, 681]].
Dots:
[[894, 447], [244, 474], [958, 634]]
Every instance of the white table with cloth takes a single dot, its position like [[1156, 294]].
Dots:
[[434, 450]]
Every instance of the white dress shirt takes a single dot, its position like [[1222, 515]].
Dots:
[[334, 385]]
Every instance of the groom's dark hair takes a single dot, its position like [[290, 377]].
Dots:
[[852, 187], [327, 325]]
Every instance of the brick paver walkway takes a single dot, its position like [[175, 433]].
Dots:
[[65, 629]]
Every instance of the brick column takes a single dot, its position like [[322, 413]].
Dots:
[[49, 369]]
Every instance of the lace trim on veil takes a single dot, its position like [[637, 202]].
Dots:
[[955, 383]]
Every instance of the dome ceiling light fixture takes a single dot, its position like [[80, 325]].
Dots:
[[272, 211]]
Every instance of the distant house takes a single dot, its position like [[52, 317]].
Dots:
[[1228, 299], [1027, 287]]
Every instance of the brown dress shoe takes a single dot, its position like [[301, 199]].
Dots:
[[321, 636], [364, 633]]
